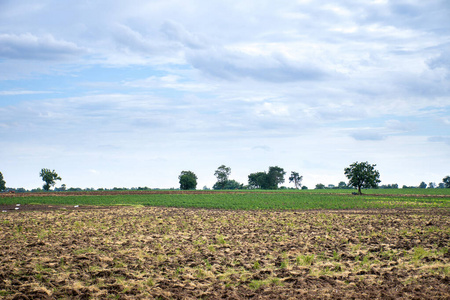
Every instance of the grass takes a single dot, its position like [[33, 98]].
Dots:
[[255, 200]]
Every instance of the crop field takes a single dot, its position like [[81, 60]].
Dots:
[[252, 200], [389, 247]]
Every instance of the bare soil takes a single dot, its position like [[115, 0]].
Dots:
[[55, 252]]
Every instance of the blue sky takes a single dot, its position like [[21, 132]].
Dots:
[[127, 94]]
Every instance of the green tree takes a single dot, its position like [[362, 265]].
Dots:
[[342, 185], [267, 181], [275, 177], [362, 175], [233, 185], [222, 174], [188, 180], [49, 177], [446, 182], [423, 185], [2, 183], [257, 180], [320, 186], [296, 179]]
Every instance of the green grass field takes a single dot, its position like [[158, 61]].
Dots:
[[281, 199]]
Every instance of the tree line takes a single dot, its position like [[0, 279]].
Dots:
[[361, 175]]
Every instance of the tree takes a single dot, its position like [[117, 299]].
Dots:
[[423, 185], [257, 180], [342, 185], [432, 185], [275, 177], [267, 181], [296, 179], [222, 174], [320, 186], [49, 177], [362, 175], [188, 180], [2, 183], [446, 182], [233, 185]]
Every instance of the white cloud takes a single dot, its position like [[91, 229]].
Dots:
[[398, 126], [22, 92], [368, 135], [177, 32], [232, 65], [440, 139], [27, 46]]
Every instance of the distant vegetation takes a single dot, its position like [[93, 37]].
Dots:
[[360, 175]]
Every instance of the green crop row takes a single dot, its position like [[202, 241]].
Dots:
[[245, 201]]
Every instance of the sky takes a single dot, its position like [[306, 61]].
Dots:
[[131, 93]]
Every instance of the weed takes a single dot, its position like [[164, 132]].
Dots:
[[336, 256], [84, 251], [19, 229], [220, 239], [150, 282], [284, 264], [256, 284], [256, 265], [305, 260], [365, 261], [6, 293]]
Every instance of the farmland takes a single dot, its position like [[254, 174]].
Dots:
[[278, 245], [287, 199]]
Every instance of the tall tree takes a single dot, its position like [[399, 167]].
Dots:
[[222, 174], [257, 180], [423, 185], [188, 180], [267, 181], [275, 177], [446, 181], [362, 175], [2, 183], [49, 177], [296, 179]]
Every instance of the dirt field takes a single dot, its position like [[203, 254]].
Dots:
[[171, 253]]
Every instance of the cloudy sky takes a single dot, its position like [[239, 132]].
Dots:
[[130, 93]]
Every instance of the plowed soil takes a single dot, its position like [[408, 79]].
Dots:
[[173, 253]]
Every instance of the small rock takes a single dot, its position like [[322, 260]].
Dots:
[[76, 206], [17, 208], [17, 204], [4, 211]]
